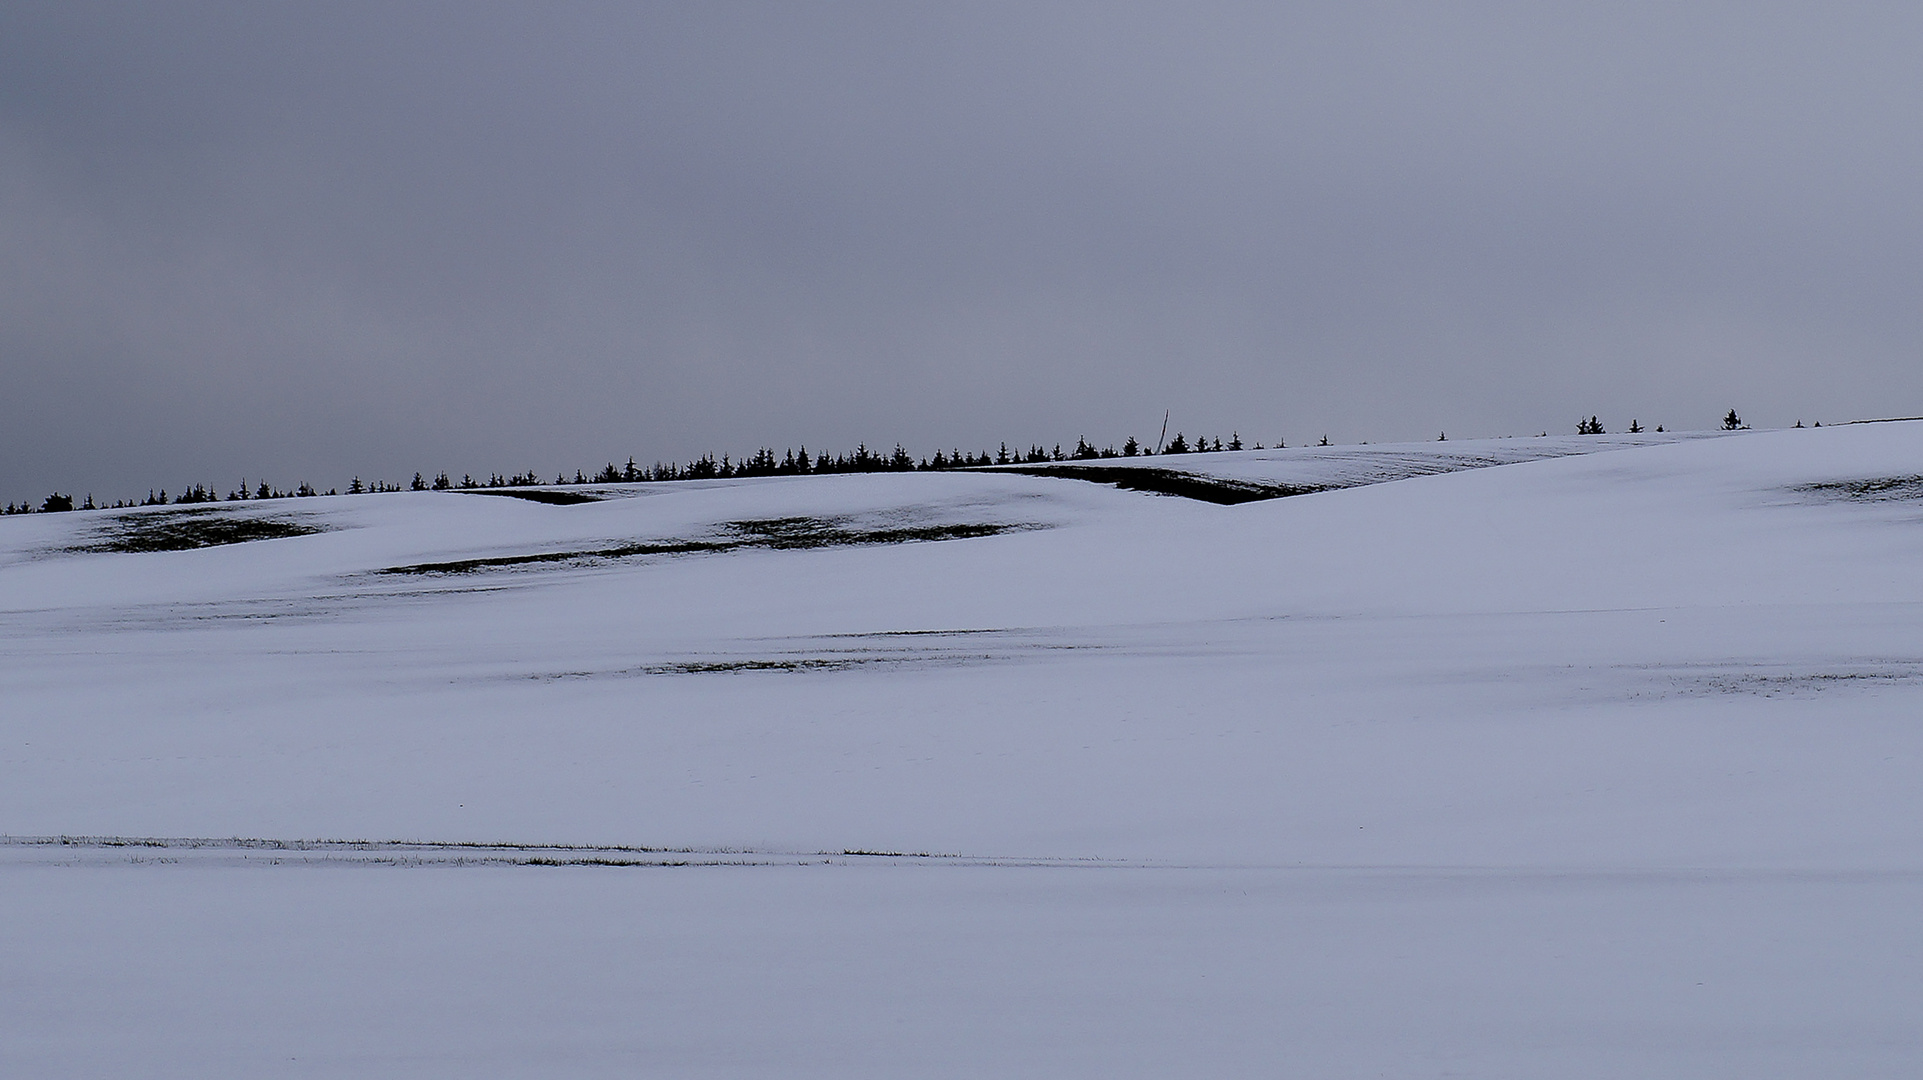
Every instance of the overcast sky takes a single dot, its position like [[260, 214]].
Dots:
[[309, 241]]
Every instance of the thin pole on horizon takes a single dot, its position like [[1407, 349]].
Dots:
[[1164, 435]]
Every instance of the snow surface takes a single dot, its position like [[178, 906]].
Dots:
[[1592, 765]]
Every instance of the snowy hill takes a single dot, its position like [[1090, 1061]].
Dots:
[[1562, 756], [1251, 475]]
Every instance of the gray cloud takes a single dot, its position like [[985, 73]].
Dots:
[[327, 240]]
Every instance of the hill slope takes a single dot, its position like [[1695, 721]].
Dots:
[[1583, 765]]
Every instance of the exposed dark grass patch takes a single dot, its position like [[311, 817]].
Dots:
[[598, 861], [241, 843], [619, 551], [813, 663], [184, 530], [1873, 489], [1224, 492], [712, 667], [552, 498], [782, 664], [1796, 685], [804, 532], [919, 633], [265, 853], [772, 533]]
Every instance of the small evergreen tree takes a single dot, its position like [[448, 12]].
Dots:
[[1731, 421]]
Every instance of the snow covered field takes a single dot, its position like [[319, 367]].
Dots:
[[1598, 764]]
